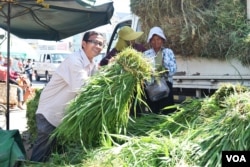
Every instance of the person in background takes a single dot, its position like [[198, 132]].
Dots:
[[1, 59], [64, 85], [13, 79], [33, 62], [162, 58], [126, 38], [28, 68], [15, 65], [3, 70], [20, 65]]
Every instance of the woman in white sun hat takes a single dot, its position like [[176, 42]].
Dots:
[[162, 58]]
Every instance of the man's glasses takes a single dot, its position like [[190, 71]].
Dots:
[[96, 43]]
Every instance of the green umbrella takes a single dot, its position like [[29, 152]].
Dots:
[[52, 19]]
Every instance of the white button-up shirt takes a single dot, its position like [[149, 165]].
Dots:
[[64, 85]]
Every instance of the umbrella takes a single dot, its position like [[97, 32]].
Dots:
[[50, 20]]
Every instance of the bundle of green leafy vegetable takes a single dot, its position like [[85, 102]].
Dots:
[[195, 135], [103, 104], [154, 150], [32, 105], [208, 28], [225, 129]]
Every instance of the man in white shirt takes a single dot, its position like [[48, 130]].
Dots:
[[70, 76]]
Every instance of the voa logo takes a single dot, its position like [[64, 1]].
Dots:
[[236, 158]]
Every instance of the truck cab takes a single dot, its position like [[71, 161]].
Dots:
[[48, 63], [131, 21]]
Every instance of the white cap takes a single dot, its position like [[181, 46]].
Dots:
[[156, 31]]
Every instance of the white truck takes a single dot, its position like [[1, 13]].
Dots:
[[195, 77], [47, 64]]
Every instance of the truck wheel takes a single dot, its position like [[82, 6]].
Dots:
[[47, 77], [37, 77]]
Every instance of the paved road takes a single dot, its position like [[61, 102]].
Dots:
[[18, 120], [17, 117]]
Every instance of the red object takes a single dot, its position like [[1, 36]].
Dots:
[[3, 74]]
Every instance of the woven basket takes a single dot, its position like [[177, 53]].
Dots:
[[12, 94]]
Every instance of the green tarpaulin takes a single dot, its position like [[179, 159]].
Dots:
[[11, 148]]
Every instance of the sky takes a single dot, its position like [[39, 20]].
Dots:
[[119, 5], [122, 6]]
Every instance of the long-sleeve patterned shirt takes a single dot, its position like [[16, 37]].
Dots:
[[169, 61]]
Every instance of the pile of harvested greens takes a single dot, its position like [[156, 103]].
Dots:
[[196, 135], [32, 105], [103, 105], [208, 28]]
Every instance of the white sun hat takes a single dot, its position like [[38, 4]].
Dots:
[[156, 31]]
